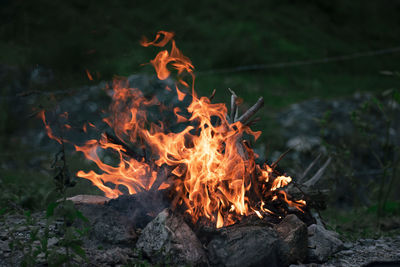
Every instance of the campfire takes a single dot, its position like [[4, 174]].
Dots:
[[205, 165]]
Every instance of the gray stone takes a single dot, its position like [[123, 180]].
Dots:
[[169, 240], [4, 246], [322, 243], [348, 245], [52, 241], [347, 252], [108, 227], [294, 233], [247, 246]]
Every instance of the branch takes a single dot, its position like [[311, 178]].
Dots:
[[318, 175], [234, 108], [128, 151], [162, 176], [251, 111], [212, 94], [309, 168], [273, 165]]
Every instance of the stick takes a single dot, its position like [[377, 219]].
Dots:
[[273, 165], [318, 175], [251, 111], [162, 175], [212, 94], [128, 151], [309, 168], [233, 105], [253, 121]]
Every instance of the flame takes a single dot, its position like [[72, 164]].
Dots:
[[213, 171]]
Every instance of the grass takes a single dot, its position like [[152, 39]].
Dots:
[[361, 222]]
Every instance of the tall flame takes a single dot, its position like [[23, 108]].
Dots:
[[212, 168]]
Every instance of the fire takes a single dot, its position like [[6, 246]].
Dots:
[[212, 170]]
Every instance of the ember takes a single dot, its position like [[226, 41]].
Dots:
[[208, 167]]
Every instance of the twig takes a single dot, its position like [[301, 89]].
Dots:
[[212, 94], [318, 175], [273, 165], [253, 121], [309, 168], [128, 151], [251, 111], [233, 105], [162, 175]]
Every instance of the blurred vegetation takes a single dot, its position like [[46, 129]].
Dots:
[[365, 167], [68, 37]]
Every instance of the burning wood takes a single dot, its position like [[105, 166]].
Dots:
[[208, 168]]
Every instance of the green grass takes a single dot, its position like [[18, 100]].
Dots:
[[362, 222]]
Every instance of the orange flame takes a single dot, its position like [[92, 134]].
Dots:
[[213, 169]]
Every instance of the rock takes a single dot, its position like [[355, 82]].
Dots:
[[52, 241], [347, 252], [348, 245], [322, 243], [169, 240], [294, 233], [4, 246], [108, 227], [111, 257], [247, 246]]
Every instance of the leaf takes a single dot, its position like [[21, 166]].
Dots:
[[81, 216], [43, 243], [378, 103], [50, 209], [34, 234], [3, 211], [78, 250]]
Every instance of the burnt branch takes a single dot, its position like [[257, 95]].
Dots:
[[212, 94], [234, 108], [162, 176], [127, 150], [273, 165], [253, 121], [251, 111]]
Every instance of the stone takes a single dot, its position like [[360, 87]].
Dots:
[[347, 252], [322, 243], [169, 240], [348, 245], [294, 233], [111, 257], [108, 227], [52, 241], [247, 246], [4, 246]]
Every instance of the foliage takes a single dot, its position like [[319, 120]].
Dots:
[[360, 222], [374, 147], [35, 248]]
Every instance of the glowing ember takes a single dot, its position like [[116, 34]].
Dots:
[[213, 173]]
